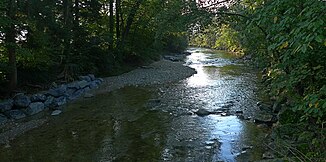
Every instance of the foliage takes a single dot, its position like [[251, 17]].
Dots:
[[68, 38]]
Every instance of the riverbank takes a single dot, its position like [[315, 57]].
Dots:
[[160, 72]]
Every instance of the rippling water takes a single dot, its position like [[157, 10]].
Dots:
[[156, 123]]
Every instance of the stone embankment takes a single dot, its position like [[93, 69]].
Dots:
[[22, 105]]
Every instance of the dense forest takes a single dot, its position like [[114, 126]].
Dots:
[[44, 40]]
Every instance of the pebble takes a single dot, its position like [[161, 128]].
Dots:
[[56, 112]]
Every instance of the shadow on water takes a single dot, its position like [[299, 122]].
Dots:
[[156, 123], [111, 127]]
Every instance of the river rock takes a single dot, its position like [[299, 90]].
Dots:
[[15, 114], [202, 112], [77, 94], [57, 92], [21, 100], [3, 119], [83, 84], [73, 85], [56, 112], [93, 85], [38, 98], [268, 119], [85, 78], [88, 95], [34, 108], [5, 106], [100, 79], [91, 76], [59, 101], [48, 102]]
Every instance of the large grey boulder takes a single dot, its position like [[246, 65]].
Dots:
[[38, 98], [59, 101], [86, 78], [93, 84], [15, 114], [3, 119], [57, 92], [34, 108], [6, 105], [91, 76], [83, 84], [48, 102], [21, 100], [76, 94], [73, 85]]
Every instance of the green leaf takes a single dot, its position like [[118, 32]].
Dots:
[[319, 39]]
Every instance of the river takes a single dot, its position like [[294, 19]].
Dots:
[[157, 123]]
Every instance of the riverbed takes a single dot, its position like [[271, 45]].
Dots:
[[157, 122]]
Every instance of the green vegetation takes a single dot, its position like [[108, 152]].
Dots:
[[45, 41], [288, 39]]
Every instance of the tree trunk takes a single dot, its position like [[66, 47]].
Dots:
[[10, 40], [111, 24], [117, 14], [67, 26], [130, 20]]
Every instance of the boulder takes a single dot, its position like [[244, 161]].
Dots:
[[202, 112], [48, 102], [83, 84], [77, 94], [73, 85], [34, 108], [3, 119], [100, 79], [59, 101], [268, 119], [57, 92], [70, 91], [38, 98], [5, 106], [91, 76], [93, 85], [85, 78], [21, 100], [15, 114]]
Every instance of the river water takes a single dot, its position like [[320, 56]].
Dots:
[[157, 123]]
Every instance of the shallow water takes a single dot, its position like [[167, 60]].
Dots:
[[156, 123]]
